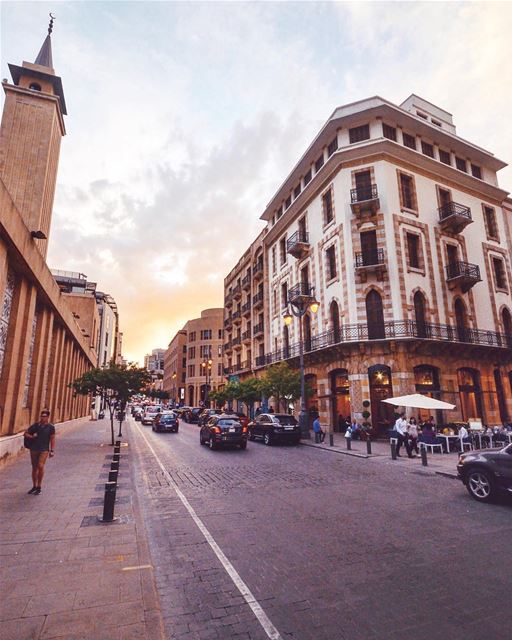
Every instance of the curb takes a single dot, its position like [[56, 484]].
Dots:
[[447, 474], [335, 450]]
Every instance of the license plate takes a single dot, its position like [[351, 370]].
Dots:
[[289, 428], [231, 429]]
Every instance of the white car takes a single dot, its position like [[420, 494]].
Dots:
[[149, 415]]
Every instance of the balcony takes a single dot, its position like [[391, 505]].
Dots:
[[257, 329], [454, 217], [392, 330], [228, 322], [364, 199], [237, 342], [247, 336], [298, 244], [228, 301], [228, 347], [246, 282], [372, 260], [257, 270], [246, 309], [302, 291], [237, 292], [237, 317], [257, 300], [463, 274]]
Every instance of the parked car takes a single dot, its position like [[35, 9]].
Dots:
[[486, 473], [192, 415], [149, 415], [181, 411], [278, 427], [137, 413], [168, 422], [223, 429], [206, 414]]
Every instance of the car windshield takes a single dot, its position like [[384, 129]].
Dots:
[[168, 418], [285, 420]]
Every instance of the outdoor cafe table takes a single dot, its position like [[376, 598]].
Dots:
[[447, 439]]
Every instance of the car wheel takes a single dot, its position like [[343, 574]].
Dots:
[[480, 485], [243, 445], [212, 444], [267, 439]]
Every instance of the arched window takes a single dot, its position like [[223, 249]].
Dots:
[[335, 321], [426, 380], [506, 320], [470, 393], [461, 321], [382, 413], [307, 332], [375, 315], [420, 315]]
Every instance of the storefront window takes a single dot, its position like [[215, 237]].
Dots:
[[340, 397], [470, 393], [426, 380], [382, 414]]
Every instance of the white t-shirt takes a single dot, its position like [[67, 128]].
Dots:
[[463, 432], [401, 426]]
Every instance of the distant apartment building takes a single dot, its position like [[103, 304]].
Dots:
[[43, 347], [201, 362], [399, 228], [154, 363], [175, 367]]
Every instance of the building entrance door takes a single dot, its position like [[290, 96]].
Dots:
[[340, 397]]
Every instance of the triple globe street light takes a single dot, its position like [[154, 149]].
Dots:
[[301, 299], [207, 368]]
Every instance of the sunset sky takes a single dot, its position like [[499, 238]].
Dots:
[[184, 118]]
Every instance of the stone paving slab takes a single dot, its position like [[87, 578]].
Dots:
[[61, 580]]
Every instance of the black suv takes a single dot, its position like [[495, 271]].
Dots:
[[206, 414], [486, 473], [192, 415], [167, 422], [222, 430], [275, 427]]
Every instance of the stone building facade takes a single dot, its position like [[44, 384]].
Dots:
[[399, 228], [42, 345], [175, 367]]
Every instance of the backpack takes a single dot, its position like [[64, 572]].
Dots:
[[28, 443]]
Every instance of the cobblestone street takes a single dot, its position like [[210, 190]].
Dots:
[[332, 547]]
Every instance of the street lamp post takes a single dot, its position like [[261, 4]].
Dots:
[[207, 366], [298, 306]]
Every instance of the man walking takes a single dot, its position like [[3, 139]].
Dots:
[[42, 436], [319, 434], [401, 435]]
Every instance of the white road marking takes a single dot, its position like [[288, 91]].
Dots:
[[257, 609], [141, 566]]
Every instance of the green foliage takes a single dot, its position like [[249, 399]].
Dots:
[[282, 382], [218, 396], [159, 394], [249, 391]]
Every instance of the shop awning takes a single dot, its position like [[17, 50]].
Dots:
[[419, 401]]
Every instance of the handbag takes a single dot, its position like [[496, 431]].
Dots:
[[28, 443]]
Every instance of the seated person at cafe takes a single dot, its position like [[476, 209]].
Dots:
[[487, 437], [502, 435], [463, 435], [428, 434]]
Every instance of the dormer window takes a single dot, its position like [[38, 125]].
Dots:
[[35, 86]]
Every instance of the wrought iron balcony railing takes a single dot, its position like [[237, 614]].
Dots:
[[258, 328], [364, 193], [454, 209], [237, 316], [393, 330], [298, 244], [300, 290], [257, 299], [369, 258], [237, 291], [236, 341], [257, 269], [246, 281], [463, 270], [228, 321]]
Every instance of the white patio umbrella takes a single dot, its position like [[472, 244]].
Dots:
[[418, 401]]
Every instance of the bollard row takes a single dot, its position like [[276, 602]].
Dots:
[[111, 486]]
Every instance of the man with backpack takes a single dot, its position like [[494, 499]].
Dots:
[[40, 439]]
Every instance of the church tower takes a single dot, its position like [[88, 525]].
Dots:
[[30, 135]]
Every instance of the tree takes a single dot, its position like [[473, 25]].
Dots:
[[115, 384], [249, 391], [218, 396], [282, 382], [159, 394]]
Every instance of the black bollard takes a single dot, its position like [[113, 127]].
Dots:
[[423, 450], [331, 439], [114, 466], [112, 476], [349, 443], [118, 443], [108, 505], [392, 442], [368, 446], [116, 457]]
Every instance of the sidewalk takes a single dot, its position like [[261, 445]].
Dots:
[[442, 463], [64, 575]]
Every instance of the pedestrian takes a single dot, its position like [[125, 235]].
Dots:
[[412, 432], [401, 435], [40, 439], [317, 428]]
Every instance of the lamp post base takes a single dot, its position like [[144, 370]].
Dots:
[[304, 426]]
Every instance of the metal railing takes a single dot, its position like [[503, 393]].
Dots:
[[258, 267], [228, 346], [301, 289], [246, 280], [462, 270], [296, 238], [228, 321], [393, 330], [258, 328], [246, 335], [236, 316], [454, 209], [257, 298], [246, 307], [236, 341], [369, 258], [363, 193], [237, 291]]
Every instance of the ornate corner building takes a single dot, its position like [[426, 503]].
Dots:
[[400, 229], [42, 345]]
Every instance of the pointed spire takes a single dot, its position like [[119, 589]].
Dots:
[[44, 57]]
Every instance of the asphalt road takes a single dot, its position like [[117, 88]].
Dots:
[[330, 546]]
